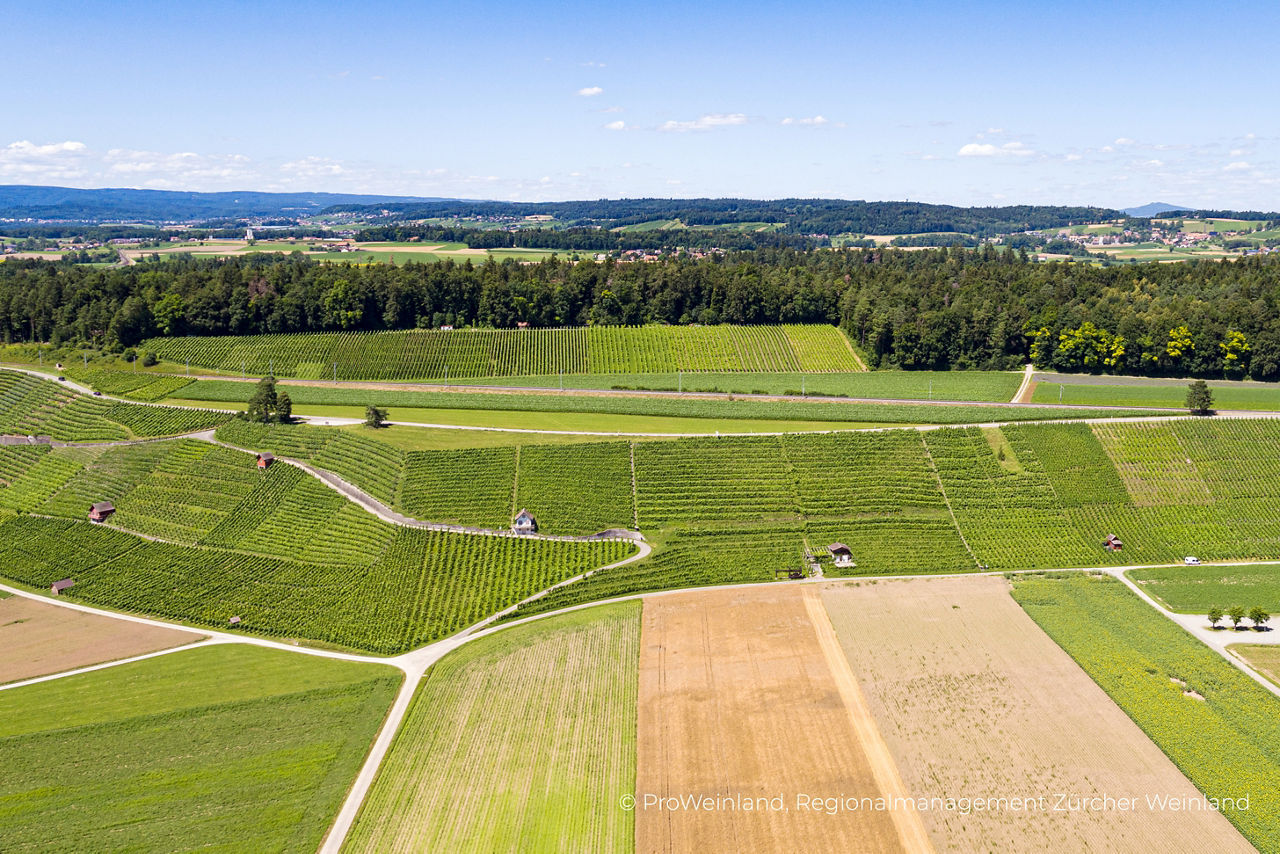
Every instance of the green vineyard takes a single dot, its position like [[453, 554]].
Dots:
[[32, 406], [464, 353]]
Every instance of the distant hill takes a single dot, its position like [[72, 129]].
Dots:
[[789, 216], [1155, 209], [18, 201]]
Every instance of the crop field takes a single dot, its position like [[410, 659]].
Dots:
[[600, 496], [956, 675], [524, 740], [1217, 725], [31, 406], [461, 353], [1158, 393], [813, 410], [738, 696], [37, 639], [190, 750], [1196, 589]]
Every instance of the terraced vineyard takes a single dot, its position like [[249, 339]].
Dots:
[[32, 406], [131, 384], [1217, 725], [276, 547], [436, 354]]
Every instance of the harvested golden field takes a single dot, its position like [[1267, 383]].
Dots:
[[975, 701], [38, 639], [740, 700], [1264, 658]]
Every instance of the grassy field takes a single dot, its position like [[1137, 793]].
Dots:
[[1160, 393], [462, 353], [1217, 725], [1263, 658], [214, 749], [992, 386], [512, 407], [524, 740], [1195, 589]]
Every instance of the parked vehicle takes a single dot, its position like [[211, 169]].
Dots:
[[1191, 561]]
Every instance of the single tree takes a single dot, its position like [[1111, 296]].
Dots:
[[263, 403], [1258, 616], [1236, 614], [1199, 398], [374, 417], [284, 408], [1215, 616]]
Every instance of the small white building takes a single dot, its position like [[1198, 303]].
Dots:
[[842, 554], [524, 523]]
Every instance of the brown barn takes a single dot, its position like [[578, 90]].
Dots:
[[100, 511], [1112, 543], [265, 459], [58, 586]]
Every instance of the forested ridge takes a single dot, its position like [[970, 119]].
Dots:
[[948, 308]]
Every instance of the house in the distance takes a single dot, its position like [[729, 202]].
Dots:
[[524, 523], [58, 586], [99, 511], [265, 459], [842, 554], [1112, 543]]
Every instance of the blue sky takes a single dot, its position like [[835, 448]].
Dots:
[[982, 102]]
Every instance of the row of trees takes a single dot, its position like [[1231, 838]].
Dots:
[[935, 309], [1237, 614]]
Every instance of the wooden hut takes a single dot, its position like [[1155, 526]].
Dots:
[[234, 621], [58, 586], [265, 459], [524, 523], [1112, 543], [98, 512]]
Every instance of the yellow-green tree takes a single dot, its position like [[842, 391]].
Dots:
[[1234, 351]]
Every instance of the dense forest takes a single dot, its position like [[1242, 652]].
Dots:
[[797, 216], [593, 239], [943, 308]]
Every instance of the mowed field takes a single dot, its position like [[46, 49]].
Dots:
[[218, 748], [740, 699], [521, 741], [974, 700], [37, 639]]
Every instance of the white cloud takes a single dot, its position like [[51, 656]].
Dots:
[[55, 161], [314, 167], [1071, 157], [1236, 152], [1124, 140], [986, 149], [811, 121], [706, 122], [590, 91], [618, 125], [1237, 166], [1154, 163]]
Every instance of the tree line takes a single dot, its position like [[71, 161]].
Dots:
[[928, 309]]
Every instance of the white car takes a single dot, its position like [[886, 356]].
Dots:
[[1191, 561]]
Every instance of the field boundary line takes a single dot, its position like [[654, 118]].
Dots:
[[883, 766], [1028, 384], [955, 523]]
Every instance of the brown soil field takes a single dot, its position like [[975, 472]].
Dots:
[[38, 639], [738, 701], [1264, 658], [975, 701]]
